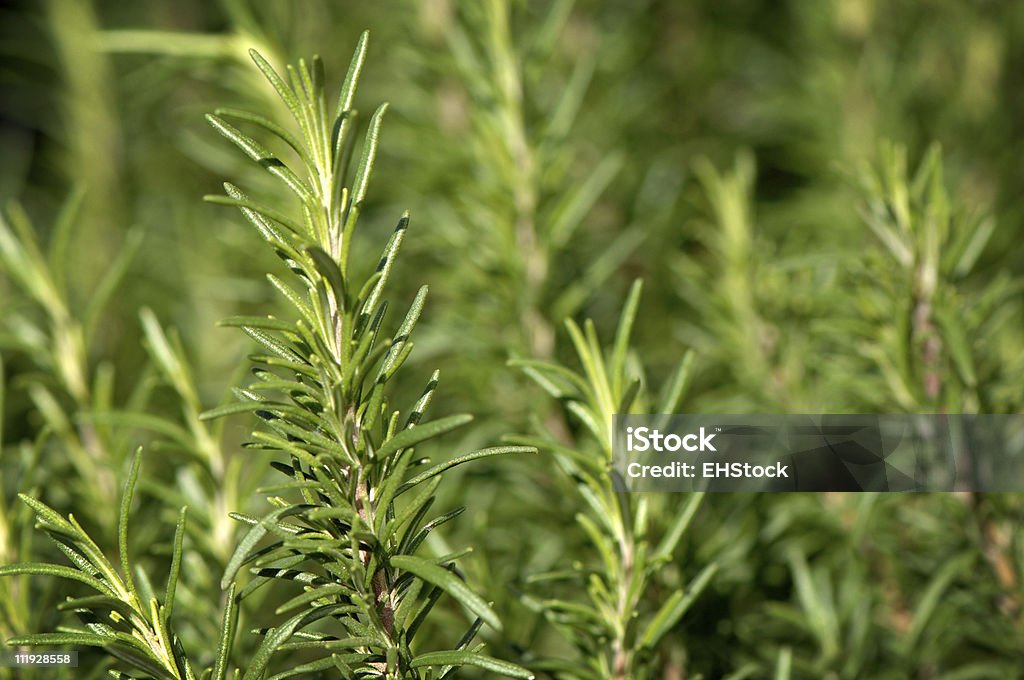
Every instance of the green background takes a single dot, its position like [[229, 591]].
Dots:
[[740, 157]]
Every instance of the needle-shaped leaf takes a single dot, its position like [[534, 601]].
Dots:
[[176, 556], [476, 455], [387, 260], [681, 521], [122, 520], [348, 88], [284, 91], [252, 538], [362, 177], [62, 639], [622, 335], [578, 203], [264, 157], [462, 657], [328, 268], [675, 607], [57, 570], [415, 435], [281, 634], [394, 358], [227, 634], [237, 199], [447, 581], [269, 126]]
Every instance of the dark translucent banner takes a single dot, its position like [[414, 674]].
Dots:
[[931, 452]]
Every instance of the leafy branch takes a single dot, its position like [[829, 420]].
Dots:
[[348, 534], [613, 639], [57, 331], [124, 616]]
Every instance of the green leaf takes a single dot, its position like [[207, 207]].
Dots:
[[142, 421], [266, 323], [553, 369], [414, 435], [54, 639], [570, 214], [678, 527], [331, 591], [294, 298], [62, 229], [348, 88], [270, 127], [411, 542], [112, 277], [598, 270], [387, 259], [313, 667], [476, 455], [286, 93], [589, 354], [959, 347], [621, 346], [264, 157], [233, 408], [252, 538], [412, 513], [358, 192], [675, 388], [630, 395], [394, 473], [784, 664], [929, 602], [273, 345], [98, 602], [369, 155], [816, 599], [449, 583], [236, 199], [258, 214], [603, 544], [122, 520], [281, 634], [396, 354], [48, 518], [467, 658], [328, 268], [560, 122], [675, 606], [980, 236], [172, 576], [60, 571], [164, 353]]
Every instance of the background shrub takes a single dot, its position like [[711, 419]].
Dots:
[[822, 200]]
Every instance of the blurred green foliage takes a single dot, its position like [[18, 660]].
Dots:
[[822, 199]]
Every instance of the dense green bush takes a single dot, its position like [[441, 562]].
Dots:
[[710, 206]]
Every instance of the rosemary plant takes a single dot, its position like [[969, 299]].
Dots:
[[618, 629], [56, 331], [355, 509], [550, 148], [511, 101], [360, 504], [124, 616], [920, 334], [945, 343]]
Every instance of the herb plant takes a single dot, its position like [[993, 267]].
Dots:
[[359, 513], [730, 155], [617, 630]]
